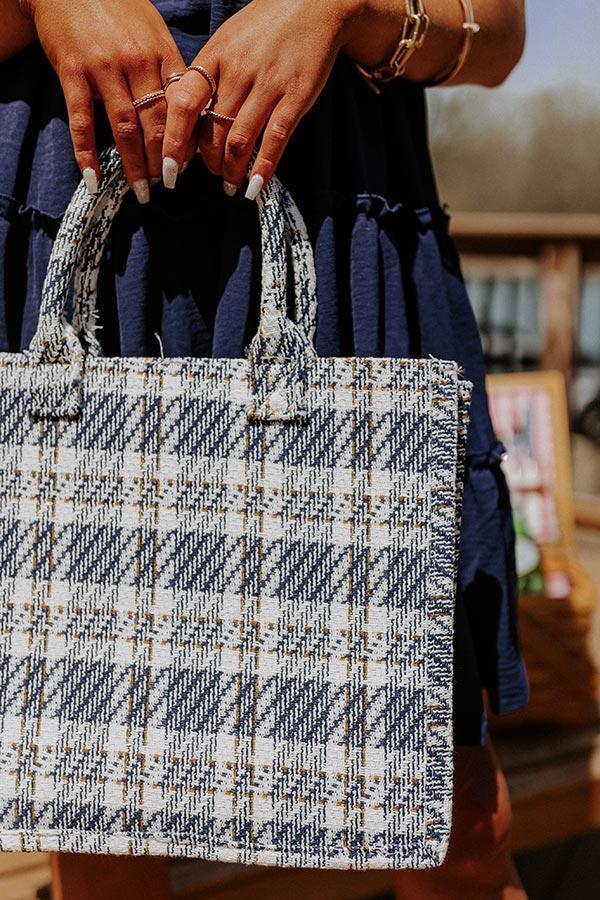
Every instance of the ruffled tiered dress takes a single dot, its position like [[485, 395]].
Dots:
[[187, 267]]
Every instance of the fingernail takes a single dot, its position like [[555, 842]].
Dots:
[[154, 180], [170, 171], [229, 188], [141, 189], [254, 187], [185, 165], [91, 180]]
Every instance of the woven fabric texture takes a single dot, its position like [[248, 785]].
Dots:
[[226, 586]]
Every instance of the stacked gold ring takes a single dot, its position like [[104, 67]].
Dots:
[[207, 111], [174, 76], [148, 98]]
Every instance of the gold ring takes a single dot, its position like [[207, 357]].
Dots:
[[205, 74], [148, 98], [174, 76], [220, 117]]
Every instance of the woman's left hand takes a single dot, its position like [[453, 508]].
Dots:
[[270, 61]]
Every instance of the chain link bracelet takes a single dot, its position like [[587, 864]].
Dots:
[[414, 30]]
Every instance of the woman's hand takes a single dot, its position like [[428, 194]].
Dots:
[[117, 50], [270, 60]]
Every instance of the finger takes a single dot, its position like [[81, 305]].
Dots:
[[186, 99], [243, 135], [154, 129], [213, 132], [80, 108], [126, 128], [277, 134], [152, 118], [176, 65]]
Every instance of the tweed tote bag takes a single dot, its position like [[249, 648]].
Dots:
[[226, 585]]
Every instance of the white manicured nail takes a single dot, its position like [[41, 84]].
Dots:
[[91, 180], [141, 189], [229, 188], [170, 171], [254, 187]]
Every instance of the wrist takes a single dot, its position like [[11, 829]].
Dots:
[[443, 43], [343, 15], [372, 29], [349, 11]]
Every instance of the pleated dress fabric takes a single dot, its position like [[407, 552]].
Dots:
[[186, 267]]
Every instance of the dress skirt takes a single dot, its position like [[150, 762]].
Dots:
[[186, 268]]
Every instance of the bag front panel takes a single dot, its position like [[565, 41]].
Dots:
[[226, 638]]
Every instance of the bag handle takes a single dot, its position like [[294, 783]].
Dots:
[[87, 271], [76, 256]]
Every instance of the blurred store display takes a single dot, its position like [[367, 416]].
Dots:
[[558, 598]]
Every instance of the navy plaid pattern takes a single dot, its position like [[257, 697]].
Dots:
[[227, 623]]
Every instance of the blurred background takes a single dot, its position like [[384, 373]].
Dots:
[[519, 168]]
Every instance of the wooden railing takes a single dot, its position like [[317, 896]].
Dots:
[[557, 248]]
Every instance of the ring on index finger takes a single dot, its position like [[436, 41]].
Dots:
[[206, 75]]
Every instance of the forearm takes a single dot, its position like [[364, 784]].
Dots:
[[495, 50], [17, 29]]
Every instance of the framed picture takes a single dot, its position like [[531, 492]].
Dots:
[[557, 597], [530, 416]]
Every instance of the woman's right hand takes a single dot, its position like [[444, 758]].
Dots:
[[118, 51]]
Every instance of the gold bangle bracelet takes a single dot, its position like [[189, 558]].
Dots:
[[470, 29], [414, 29]]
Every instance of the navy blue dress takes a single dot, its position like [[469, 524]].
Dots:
[[187, 267]]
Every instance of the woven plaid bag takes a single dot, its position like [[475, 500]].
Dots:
[[226, 585]]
